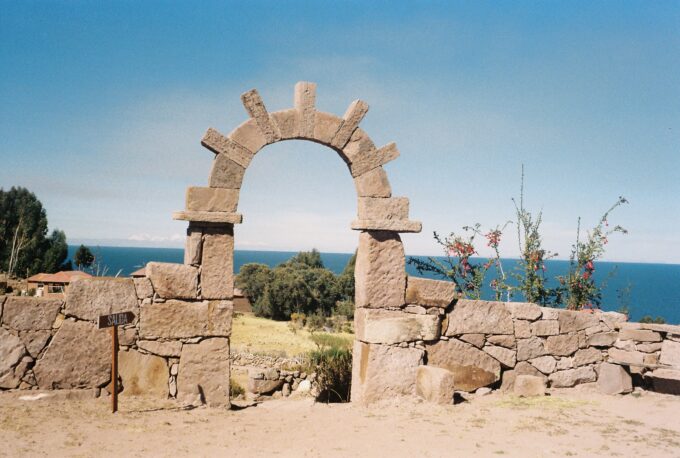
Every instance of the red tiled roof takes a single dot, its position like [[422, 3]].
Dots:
[[139, 273], [64, 277]]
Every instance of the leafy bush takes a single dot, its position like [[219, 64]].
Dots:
[[316, 322], [649, 319], [235, 389], [332, 362]]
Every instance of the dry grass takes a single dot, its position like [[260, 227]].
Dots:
[[262, 336]]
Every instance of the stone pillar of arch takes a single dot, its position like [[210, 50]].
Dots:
[[388, 346]]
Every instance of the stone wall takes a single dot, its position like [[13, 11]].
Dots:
[[489, 344]]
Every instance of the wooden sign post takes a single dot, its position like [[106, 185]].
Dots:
[[113, 321]]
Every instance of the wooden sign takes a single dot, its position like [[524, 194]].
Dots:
[[116, 319], [113, 321]]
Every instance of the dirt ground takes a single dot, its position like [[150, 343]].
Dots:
[[567, 423]]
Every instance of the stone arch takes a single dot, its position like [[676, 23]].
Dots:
[[386, 332]]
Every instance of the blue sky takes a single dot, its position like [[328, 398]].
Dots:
[[103, 105]]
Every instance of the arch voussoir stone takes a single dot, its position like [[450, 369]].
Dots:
[[373, 183], [226, 173], [255, 107], [305, 106], [370, 160], [350, 121], [220, 144]]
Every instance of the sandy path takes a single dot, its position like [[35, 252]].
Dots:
[[573, 423]]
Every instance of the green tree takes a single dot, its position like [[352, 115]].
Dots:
[[56, 253], [24, 246], [83, 257], [308, 258]]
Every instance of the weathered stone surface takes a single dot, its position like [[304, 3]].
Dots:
[[305, 105], [595, 330], [143, 374], [392, 225], [178, 319], [373, 183], [367, 162], [562, 345], [612, 319], [381, 372], [79, 356], [530, 348], [613, 379], [640, 335], [470, 316], [587, 356], [211, 199], [205, 367], [625, 357], [380, 270], [350, 121], [88, 298], [193, 245], [226, 173], [524, 310], [429, 293], [522, 329], [503, 340], [12, 350], [219, 144], [288, 122], [665, 380], [472, 368], [603, 339], [381, 208], [571, 377], [435, 384], [262, 386], [522, 368], [172, 348], [670, 353], [217, 268], [627, 345], [209, 217], [390, 327], [543, 328], [325, 127], [529, 385], [565, 363], [255, 107], [35, 341], [650, 359], [505, 356], [417, 309], [649, 347], [477, 340], [545, 364], [575, 321], [143, 288], [30, 313], [550, 313], [173, 281]]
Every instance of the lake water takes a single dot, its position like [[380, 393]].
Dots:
[[646, 289]]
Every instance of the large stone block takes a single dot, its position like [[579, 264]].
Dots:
[[219, 144], [522, 368], [545, 364], [204, 372], [587, 356], [524, 310], [507, 357], [530, 348], [639, 335], [217, 267], [350, 121], [390, 327], [391, 225], [618, 356], [255, 107], [670, 353], [381, 372], [263, 386], [435, 384], [88, 298], [193, 245], [30, 313], [143, 288], [373, 183], [562, 345], [226, 173], [603, 339], [171, 348], [504, 340], [79, 356], [212, 199], [35, 341], [380, 208], [143, 374], [173, 281], [571, 377], [544, 328], [305, 105], [470, 316], [380, 275], [325, 127], [529, 385], [430, 293], [571, 321], [472, 368], [249, 136], [664, 380], [288, 122], [613, 379], [178, 319], [12, 351], [363, 163]]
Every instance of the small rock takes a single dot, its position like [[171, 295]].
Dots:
[[286, 390], [305, 386], [483, 391]]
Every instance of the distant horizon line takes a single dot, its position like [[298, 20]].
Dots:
[[510, 258]]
